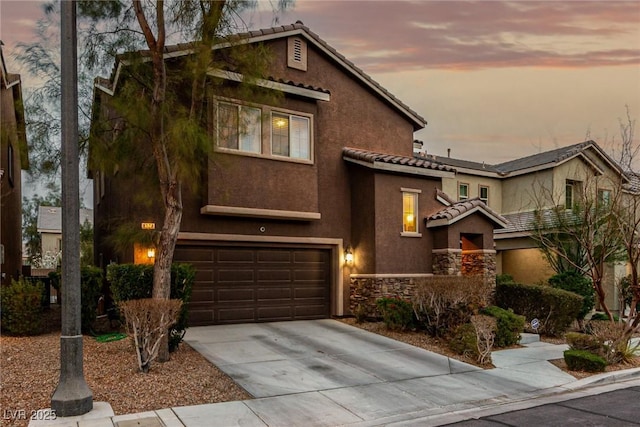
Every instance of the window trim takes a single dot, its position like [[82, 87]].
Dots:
[[309, 129], [416, 195], [466, 184], [480, 187], [265, 130]]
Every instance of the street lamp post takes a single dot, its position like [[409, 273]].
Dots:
[[72, 396]]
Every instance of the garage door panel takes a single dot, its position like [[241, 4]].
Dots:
[[240, 295], [274, 276], [274, 294], [235, 276], [257, 284], [274, 257], [235, 256]]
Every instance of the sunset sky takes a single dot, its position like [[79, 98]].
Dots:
[[495, 80]]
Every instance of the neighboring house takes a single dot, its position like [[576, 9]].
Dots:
[[518, 188], [13, 159], [49, 226], [318, 199]]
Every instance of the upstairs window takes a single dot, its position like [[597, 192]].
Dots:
[[484, 194], [463, 191], [604, 198], [571, 193], [290, 136], [239, 127]]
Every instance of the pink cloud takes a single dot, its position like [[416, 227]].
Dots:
[[473, 35]]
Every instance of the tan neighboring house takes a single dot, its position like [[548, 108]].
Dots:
[[516, 189], [13, 159], [50, 230]]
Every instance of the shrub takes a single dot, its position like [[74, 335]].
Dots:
[[603, 316], [508, 325], [21, 305], [556, 309], [442, 303], [397, 314], [90, 290], [149, 321], [587, 342], [574, 282], [582, 360], [135, 281], [464, 340], [504, 278], [485, 328], [612, 339]]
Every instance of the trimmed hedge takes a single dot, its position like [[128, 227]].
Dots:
[[21, 305], [556, 309], [578, 341], [509, 325], [576, 283], [91, 279], [397, 314], [135, 281], [582, 360]]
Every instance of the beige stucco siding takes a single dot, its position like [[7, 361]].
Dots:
[[450, 187]]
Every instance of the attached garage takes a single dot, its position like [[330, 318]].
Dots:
[[240, 284]]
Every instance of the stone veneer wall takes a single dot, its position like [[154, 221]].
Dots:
[[447, 262], [366, 289]]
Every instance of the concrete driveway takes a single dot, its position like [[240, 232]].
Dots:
[[275, 359]]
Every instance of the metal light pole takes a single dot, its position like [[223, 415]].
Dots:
[[72, 396]]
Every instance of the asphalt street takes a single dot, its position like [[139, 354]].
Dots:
[[617, 408]]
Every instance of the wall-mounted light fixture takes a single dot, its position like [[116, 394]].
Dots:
[[151, 253], [348, 256]]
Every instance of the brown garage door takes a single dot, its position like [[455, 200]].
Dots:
[[237, 284]]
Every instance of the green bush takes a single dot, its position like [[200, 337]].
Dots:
[[397, 314], [21, 305], [135, 281], [91, 279], [603, 316], [582, 360], [578, 341], [464, 340], [578, 284], [504, 278], [509, 325], [556, 309]]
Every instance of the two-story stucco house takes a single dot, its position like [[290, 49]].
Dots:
[[13, 160], [518, 188], [316, 194]]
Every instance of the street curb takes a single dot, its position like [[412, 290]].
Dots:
[[604, 378]]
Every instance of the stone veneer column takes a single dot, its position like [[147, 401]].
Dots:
[[447, 262], [479, 262]]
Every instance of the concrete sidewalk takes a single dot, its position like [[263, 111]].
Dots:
[[326, 373]]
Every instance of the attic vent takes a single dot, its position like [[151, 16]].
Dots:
[[297, 53]]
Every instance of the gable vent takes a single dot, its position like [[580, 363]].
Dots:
[[297, 53]]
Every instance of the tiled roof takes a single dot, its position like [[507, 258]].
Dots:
[[523, 222], [459, 163], [301, 85], [458, 210], [553, 156], [634, 182], [50, 218], [444, 196], [373, 157], [282, 31]]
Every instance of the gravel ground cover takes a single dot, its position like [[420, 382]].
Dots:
[[29, 370]]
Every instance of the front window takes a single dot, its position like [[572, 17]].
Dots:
[[409, 212], [484, 194], [604, 198], [463, 191], [290, 136], [239, 127]]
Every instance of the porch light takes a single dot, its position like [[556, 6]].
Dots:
[[151, 253], [348, 256]]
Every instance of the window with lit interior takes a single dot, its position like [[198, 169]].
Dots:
[[290, 136], [409, 212]]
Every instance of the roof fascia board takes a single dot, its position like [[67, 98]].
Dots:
[[401, 168], [444, 221], [298, 31], [477, 172], [584, 159], [443, 200], [282, 87]]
